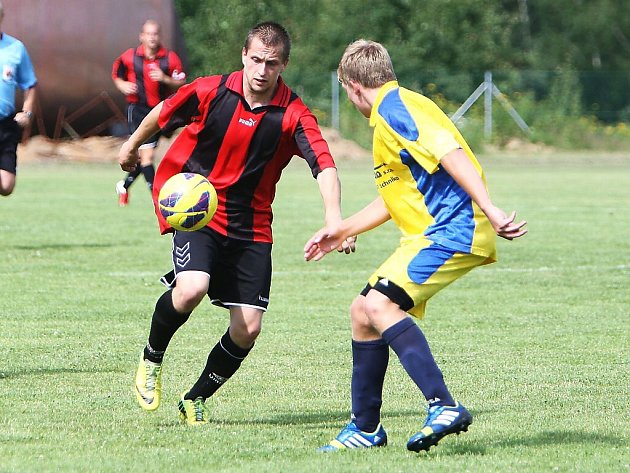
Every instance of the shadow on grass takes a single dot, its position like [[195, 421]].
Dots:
[[62, 246], [481, 446], [309, 420], [319, 420], [560, 437], [473, 446], [51, 371]]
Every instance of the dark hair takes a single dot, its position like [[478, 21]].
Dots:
[[271, 34]]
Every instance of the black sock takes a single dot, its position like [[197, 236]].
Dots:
[[149, 174], [165, 322], [412, 348], [131, 177], [223, 361], [369, 364]]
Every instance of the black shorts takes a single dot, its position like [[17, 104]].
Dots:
[[135, 115], [240, 270], [9, 138]]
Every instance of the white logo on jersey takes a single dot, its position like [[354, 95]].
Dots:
[[249, 122]]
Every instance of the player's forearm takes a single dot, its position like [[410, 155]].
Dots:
[[172, 83], [147, 128], [371, 216], [29, 100], [330, 189], [120, 85], [463, 171]]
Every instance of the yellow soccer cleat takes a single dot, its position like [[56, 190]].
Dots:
[[148, 387], [193, 412]]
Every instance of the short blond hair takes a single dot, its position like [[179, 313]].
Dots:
[[366, 62]]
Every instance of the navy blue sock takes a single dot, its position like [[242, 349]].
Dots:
[[369, 364], [223, 361], [412, 348]]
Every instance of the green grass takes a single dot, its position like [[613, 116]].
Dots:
[[536, 346]]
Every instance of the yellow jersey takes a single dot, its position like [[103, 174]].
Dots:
[[411, 135]]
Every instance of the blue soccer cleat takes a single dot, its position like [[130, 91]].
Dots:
[[441, 421], [352, 437]]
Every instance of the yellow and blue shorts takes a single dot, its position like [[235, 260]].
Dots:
[[417, 270]]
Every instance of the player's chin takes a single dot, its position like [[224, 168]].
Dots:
[[260, 85]]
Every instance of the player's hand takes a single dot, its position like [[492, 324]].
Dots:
[[128, 157], [128, 88], [348, 245], [323, 242], [22, 119], [504, 225], [156, 74]]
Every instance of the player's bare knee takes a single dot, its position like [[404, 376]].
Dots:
[[358, 317], [188, 296], [357, 308], [244, 335], [375, 307], [6, 190]]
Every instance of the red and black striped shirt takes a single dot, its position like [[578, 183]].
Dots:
[[242, 151], [133, 66]]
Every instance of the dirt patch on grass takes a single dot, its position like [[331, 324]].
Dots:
[[105, 148]]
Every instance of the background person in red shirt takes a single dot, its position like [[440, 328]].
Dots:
[[146, 75], [240, 130]]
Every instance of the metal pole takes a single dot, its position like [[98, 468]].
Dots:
[[513, 113], [469, 102], [335, 100], [487, 103]]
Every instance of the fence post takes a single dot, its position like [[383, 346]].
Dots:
[[487, 105], [335, 100], [488, 89]]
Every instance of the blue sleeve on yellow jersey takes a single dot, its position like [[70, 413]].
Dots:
[[396, 114]]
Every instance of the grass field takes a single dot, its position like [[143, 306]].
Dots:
[[536, 346]]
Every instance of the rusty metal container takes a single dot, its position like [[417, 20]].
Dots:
[[73, 44]]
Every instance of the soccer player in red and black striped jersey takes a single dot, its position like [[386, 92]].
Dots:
[[146, 75], [240, 130]]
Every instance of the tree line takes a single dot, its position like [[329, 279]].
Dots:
[[445, 42]]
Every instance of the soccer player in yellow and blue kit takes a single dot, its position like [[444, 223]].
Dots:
[[432, 186]]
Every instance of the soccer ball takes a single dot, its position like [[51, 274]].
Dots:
[[187, 201]]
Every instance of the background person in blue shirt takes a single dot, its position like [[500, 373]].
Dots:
[[17, 71]]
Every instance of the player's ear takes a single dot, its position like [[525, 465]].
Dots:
[[355, 87], [243, 55]]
